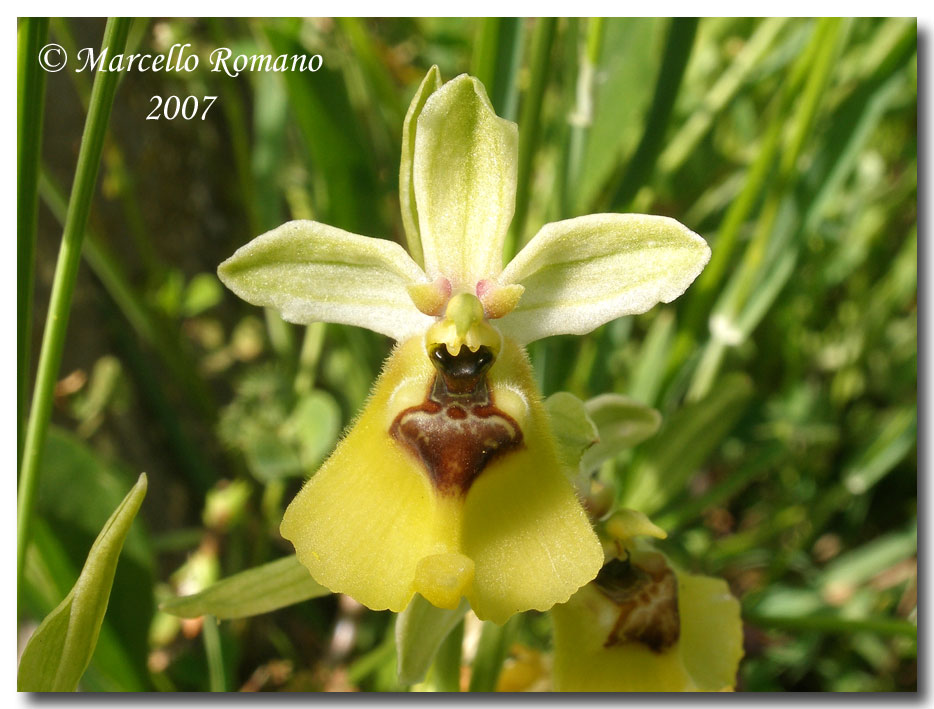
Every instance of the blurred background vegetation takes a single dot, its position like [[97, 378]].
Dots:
[[786, 376]]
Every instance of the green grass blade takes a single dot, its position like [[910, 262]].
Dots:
[[66, 272], [30, 104], [723, 91], [258, 590], [496, 62], [530, 127], [677, 51], [61, 648]]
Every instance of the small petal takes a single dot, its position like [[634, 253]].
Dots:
[[430, 84], [310, 271], [464, 172], [583, 272]]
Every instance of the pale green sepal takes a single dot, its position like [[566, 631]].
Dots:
[[621, 423], [574, 430], [310, 271], [58, 653], [464, 172], [420, 630], [262, 589], [430, 84], [580, 273]]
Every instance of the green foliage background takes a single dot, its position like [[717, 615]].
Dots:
[[786, 376]]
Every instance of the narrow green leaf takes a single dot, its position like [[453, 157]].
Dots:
[[833, 623], [61, 648], [621, 96], [496, 61], [446, 670], [258, 590], [30, 101], [897, 437], [678, 45], [66, 273], [746, 63], [420, 630]]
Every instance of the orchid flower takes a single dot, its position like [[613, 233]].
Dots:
[[643, 625], [449, 483]]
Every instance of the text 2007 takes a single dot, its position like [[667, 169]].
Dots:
[[173, 106]]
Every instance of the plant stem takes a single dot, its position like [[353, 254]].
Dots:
[[66, 271], [30, 102], [217, 682], [491, 652]]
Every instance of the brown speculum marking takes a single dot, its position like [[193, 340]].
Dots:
[[458, 429], [647, 598]]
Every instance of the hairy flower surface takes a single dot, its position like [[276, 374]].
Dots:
[[449, 483]]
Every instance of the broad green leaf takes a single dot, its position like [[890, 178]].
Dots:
[[574, 431], [262, 589], [420, 630], [310, 271], [464, 175], [430, 84], [580, 273], [59, 651], [621, 424]]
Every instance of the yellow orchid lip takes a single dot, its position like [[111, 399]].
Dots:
[[418, 500]]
